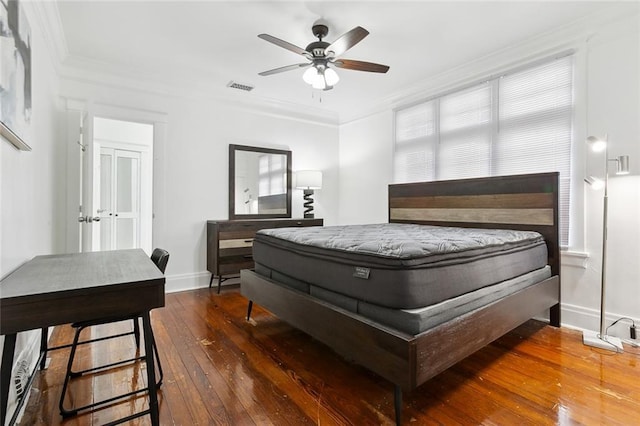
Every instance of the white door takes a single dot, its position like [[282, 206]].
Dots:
[[119, 200], [88, 200]]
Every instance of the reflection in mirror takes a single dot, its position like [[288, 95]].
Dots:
[[259, 182]]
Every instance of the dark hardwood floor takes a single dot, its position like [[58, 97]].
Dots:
[[222, 370]]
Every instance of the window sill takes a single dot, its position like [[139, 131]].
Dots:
[[576, 259]]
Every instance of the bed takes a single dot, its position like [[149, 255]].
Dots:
[[395, 336]]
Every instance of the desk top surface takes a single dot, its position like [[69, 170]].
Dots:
[[65, 288], [61, 273]]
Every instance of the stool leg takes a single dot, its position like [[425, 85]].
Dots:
[[67, 377], [155, 352], [136, 332], [151, 374]]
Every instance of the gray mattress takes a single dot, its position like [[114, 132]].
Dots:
[[393, 265]]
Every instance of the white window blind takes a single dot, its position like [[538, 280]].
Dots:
[[465, 133], [414, 159], [518, 123], [271, 175]]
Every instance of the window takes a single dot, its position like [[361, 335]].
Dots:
[[271, 175], [520, 122]]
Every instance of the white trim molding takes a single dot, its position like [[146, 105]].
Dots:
[[184, 282], [581, 318], [576, 259]]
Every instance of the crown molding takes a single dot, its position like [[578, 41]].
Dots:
[[106, 75], [48, 19]]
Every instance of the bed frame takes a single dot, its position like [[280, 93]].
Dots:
[[522, 202]]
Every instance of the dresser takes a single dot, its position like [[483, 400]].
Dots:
[[230, 242]]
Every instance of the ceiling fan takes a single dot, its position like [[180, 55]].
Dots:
[[323, 56]]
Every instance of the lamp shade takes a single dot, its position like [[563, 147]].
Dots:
[[622, 165], [310, 75], [594, 182], [596, 144], [309, 179]]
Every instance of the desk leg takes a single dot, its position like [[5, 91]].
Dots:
[[44, 337], [151, 373], [5, 373]]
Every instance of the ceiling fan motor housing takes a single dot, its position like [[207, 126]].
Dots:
[[317, 48], [320, 30]]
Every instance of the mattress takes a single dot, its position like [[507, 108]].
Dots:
[[416, 321], [396, 265]]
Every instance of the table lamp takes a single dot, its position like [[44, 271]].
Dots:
[[308, 180]]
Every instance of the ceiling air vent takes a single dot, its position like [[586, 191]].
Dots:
[[240, 86]]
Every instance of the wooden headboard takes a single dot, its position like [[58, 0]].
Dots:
[[522, 202]]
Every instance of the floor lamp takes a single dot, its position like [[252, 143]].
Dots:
[[593, 338]]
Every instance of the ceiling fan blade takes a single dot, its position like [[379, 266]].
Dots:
[[350, 64], [284, 44], [283, 69], [347, 41]]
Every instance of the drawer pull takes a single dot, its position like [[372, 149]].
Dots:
[[249, 241], [248, 256]]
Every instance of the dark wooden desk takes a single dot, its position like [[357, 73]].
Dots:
[[66, 288]]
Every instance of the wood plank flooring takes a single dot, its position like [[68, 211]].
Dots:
[[220, 369]]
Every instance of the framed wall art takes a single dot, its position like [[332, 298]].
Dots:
[[15, 74]]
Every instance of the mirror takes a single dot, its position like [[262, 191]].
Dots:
[[259, 182]]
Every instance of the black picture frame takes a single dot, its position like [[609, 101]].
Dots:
[[233, 151]]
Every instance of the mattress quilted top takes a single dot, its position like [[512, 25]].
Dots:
[[403, 241]]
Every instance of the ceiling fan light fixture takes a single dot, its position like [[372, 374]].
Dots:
[[319, 82], [310, 75], [331, 77], [320, 77]]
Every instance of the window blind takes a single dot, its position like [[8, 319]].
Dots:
[[465, 134], [520, 122], [271, 175], [414, 159]]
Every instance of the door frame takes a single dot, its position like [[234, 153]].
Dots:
[[88, 109]]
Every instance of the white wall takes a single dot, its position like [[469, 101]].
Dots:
[[613, 108], [609, 59], [30, 184], [366, 152], [191, 170]]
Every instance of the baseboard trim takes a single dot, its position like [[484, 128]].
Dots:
[[587, 319], [184, 282]]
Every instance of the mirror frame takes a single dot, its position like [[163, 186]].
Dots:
[[232, 181]]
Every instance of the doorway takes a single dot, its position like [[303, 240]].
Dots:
[[109, 177], [122, 185]]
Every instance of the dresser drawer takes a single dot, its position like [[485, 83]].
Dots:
[[230, 242]]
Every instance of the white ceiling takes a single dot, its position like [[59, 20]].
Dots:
[[214, 42]]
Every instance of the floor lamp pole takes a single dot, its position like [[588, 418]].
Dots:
[[590, 338], [605, 211]]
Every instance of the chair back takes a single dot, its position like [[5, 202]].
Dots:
[[160, 257]]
